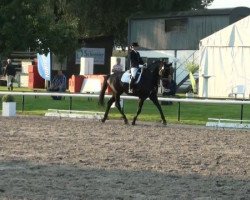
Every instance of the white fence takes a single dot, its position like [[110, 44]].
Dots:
[[182, 100]]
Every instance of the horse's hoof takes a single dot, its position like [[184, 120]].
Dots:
[[125, 121], [133, 123], [102, 120], [164, 123]]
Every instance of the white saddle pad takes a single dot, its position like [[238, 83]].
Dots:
[[126, 77]]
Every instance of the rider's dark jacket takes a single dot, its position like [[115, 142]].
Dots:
[[135, 59]]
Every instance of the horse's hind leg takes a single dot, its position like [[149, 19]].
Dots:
[[154, 99], [141, 101], [110, 102], [118, 105]]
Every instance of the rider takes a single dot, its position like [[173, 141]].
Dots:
[[135, 61]]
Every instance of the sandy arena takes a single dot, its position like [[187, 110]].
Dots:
[[52, 158]]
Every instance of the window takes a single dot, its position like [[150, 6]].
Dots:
[[176, 24]]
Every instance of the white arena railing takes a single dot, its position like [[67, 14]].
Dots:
[[241, 102]]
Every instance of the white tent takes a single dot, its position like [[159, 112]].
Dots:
[[225, 60]]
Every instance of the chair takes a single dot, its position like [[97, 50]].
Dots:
[[239, 89]]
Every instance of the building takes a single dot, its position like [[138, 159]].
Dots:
[[177, 35]]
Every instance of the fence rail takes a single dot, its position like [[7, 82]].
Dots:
[[241, 102]]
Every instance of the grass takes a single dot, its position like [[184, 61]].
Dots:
[[190, 113]]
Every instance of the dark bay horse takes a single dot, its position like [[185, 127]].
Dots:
[[146, 88]]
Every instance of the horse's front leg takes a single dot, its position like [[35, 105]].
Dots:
[[140, 104], [154, 99], [110, 102], [118, 105]]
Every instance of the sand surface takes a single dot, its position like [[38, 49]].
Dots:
[[53, 158]]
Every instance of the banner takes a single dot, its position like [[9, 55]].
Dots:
[[44, 66], [97, 53]]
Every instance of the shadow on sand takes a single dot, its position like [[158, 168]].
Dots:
[[25, 180]]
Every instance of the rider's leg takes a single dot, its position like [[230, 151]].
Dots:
[[132, 79], [131, 83]]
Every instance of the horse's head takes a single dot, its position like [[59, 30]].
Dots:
[[166, 69]]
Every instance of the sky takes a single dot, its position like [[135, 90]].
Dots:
[[229, 3]]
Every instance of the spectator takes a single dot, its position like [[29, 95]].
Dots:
[[118, 67], [58, 84], [10, 72]]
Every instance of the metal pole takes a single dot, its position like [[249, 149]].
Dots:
[[22, 103], [175, 64], [241, 113], [70, 104], [179, 111]]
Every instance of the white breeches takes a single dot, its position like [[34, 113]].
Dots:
[[133, 71]]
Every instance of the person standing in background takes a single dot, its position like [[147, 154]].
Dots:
[[10, 72], [118, 67]]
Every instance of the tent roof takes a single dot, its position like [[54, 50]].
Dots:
[[236, 34]]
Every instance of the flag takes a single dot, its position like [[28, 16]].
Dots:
[[192, 80], [44, 66]]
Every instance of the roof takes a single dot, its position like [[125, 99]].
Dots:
[[237, 34], [203, 12]]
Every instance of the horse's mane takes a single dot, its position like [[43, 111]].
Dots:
[[154, 68]]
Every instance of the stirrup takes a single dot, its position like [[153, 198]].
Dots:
[[130, 90]]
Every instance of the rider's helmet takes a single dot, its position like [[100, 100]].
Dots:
[[135, 44]]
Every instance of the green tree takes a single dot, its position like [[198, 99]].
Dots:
[[37, 25], [56, 25], [110, 17]]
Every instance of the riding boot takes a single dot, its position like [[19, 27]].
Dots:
[[131, 84]]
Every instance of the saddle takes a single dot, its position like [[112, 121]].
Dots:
[[127, 75]]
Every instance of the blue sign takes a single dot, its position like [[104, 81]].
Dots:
[[44, 66], [97, 53]]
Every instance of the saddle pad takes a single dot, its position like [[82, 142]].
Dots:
[[126, 77]]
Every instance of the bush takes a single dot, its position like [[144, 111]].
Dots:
[[192, 67], [8, 98]]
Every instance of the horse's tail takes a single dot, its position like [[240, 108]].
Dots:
[[102, 93]]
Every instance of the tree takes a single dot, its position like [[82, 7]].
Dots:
[[56, 25], [110, 17], [37, 25]]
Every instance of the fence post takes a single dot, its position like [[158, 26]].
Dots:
[[241, 113], [179, 111], [22, 103], [70, 104]]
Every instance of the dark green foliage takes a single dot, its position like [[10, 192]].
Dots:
[[8, 98], [28, 24], [56, 25]]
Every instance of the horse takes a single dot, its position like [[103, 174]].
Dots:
[[147, 87]]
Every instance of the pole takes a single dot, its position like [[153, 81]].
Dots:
[[241, 113], [70, 104], [179, 111], [22, 103], [175, 64]]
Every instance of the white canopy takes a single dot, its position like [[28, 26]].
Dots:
[[225, 60]]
